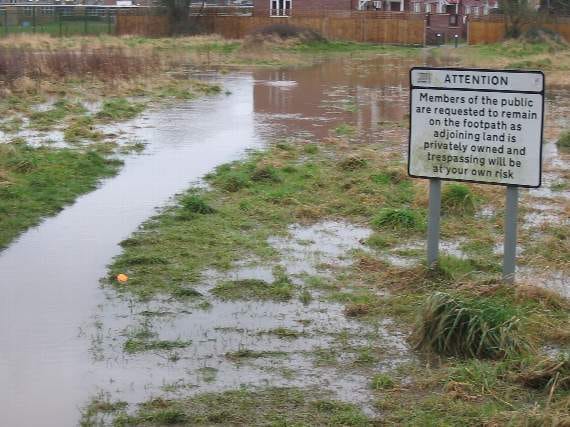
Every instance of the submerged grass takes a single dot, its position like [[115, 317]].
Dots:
[[273, 406]]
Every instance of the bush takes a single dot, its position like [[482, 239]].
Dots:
[[453, 326]]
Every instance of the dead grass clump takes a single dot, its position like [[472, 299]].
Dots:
[[545, 297], [479, 327], [4, 178], [307, 212], [547, 373], [366, 263], [357, 310], [286, 31], [352, 163]]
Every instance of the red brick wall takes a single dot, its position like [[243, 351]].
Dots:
[[261, 7], [439, 23]]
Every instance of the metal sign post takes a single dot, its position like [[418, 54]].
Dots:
[[482, 126], [434, 216], [510, 245]]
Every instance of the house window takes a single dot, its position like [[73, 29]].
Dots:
[[428, 8], [476, 10], [417, 7], [280, 8], [453, 20], [467, 10]]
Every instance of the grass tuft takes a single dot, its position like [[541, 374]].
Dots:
[[564, 141], [457, 199], [118, 109], [483, 328], [137, 345], [398, 218], [196, 204], [381, 382]]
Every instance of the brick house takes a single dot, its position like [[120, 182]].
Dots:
[[448, 18], [445, 19], [285, 8]]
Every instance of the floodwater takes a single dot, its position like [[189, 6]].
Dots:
[[53, 312], [62, 335]]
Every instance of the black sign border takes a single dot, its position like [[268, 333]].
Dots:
[[542, 92]]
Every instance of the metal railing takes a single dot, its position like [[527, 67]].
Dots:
[[60, 20]]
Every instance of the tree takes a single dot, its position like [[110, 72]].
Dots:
[[518, 13], [179, 13], [556, 7]]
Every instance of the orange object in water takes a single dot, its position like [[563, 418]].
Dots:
[[122, 278]]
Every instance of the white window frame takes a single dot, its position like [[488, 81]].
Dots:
[[417, 7], [467, 10], [428, 7], [278, 12], [476, 10]]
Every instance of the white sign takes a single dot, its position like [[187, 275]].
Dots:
[[476, 125]]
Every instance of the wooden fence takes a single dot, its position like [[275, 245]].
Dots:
[[493, 29], [402, 29]]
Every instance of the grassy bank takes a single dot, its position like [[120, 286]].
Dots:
[[480, 344], [551, 57], [38, 182]]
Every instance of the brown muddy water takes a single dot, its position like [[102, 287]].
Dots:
[[62, 335]]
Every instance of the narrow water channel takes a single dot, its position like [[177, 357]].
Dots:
[[49, 277]]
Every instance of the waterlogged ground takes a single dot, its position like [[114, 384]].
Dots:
[[284, 274]]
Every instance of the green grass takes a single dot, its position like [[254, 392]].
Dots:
[[512, 49], [469, 327], [82, 128], [381, 382], [66, 28], [564, 141], [39, 182], [247, 203], [273, 406], [331, 47], [345, 129], [137, 345], [458, 199], [119, 109], [398, 219], [279, 290]]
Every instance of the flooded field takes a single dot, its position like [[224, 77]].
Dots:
[[68, 339]]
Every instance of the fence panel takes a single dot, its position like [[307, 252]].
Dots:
[[389, 29], [493, 29]]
